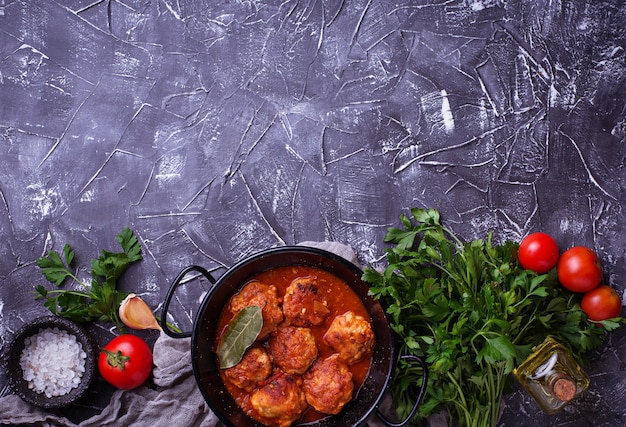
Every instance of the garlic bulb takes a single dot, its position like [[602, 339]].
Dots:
[[135, 313]]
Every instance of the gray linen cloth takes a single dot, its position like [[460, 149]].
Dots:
[[178, 402]]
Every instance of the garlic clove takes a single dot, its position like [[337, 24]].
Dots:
[[135, 313]]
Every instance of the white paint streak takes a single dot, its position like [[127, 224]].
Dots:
[[446, 113], [171, 9], [573, 226], [87, 196], [483, 87], [32, 49], [483, 116], [44, 200], [170, 168], [478, 5], [553, 95], [281, 189]]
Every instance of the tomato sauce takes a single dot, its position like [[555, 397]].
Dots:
[[341, 298]]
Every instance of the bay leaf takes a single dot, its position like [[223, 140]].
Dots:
[[240, 334]]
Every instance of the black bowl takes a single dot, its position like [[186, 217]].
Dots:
[[16, 375]]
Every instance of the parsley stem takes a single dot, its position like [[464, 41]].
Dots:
[[459, 391], [68, 292], [74, 278]]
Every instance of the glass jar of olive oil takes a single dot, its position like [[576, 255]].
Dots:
[[552, 376]]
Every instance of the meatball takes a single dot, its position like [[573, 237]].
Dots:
[[328, 385], [351, 336], [255, 366], [303, 305], [292, 349], [264, 296], [281, 399]]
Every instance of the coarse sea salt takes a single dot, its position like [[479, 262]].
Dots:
[[53, 362]]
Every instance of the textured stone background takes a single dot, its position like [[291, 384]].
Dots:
[[215, 129]]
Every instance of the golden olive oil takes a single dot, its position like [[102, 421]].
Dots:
[[552, 376]]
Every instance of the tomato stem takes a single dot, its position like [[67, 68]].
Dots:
[[116, 359]]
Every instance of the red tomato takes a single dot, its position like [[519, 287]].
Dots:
[[125, 362], [601, 303], [538, 252], [579, 269]]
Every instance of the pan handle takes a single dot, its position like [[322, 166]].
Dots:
[[420, 395], [170, 293]]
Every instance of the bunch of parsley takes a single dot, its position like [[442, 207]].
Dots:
[[99, 301], [473, 313]]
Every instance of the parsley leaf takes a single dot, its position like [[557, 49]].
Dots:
[[53, 267]]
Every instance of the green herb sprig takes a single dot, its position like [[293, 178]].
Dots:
[[98, 302], [473, 313]]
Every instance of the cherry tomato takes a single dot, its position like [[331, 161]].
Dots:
[[579, 269], [125, 362], [538, 252], [601, 303]]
